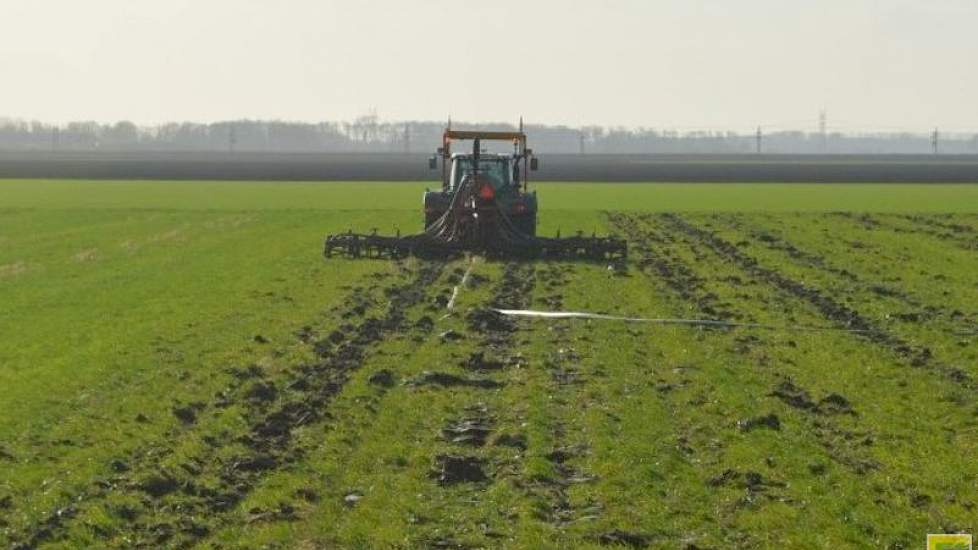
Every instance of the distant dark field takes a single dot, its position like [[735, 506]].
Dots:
[[413, 167]]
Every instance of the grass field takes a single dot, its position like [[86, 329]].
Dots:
[[700, 197], [179, 366]]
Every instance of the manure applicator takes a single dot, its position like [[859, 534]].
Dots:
[[484, 207]]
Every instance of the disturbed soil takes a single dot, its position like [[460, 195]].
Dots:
[[845, 412]]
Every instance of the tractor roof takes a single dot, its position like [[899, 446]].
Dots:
[[485, 135], [482, 156]]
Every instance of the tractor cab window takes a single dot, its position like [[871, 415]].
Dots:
[[495, 169]]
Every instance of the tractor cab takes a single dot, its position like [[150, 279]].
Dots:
[[496, 169], [483, 206], [488, 185]]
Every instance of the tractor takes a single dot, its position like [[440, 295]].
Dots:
[[483, 207], [501, 179]]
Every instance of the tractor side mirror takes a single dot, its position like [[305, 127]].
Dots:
[[534, 164], [433, 163]]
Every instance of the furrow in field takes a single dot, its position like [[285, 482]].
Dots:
[[622, 433], [875, 416], [548, 395], [927, 268], [833, 310], [463, 469], [753, 233], [859, 415], [944, 233], [432, 456], [944, 228], [494, 458], [917, 312], [562, 444], [758, 374], [162, 495], [787, 390], [927, 322]]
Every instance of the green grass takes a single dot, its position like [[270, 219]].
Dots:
[[124, 303], [554, 196]]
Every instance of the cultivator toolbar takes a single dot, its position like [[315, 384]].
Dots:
[[483, 208], [372, 245]]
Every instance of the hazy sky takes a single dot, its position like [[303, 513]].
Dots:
[[887, 64]]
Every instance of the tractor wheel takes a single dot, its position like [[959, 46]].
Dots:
[[435, 205], [526, 224], [431, 218]]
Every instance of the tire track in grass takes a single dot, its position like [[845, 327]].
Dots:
[[547, 465], [341, 353], [908, 490], [475, 423], [576, 507], [656, 257], [806, 258], [915, 309], [443, 431], [776, 242], [550, 441], [365, 481], [698, 444], [963, 236], [830, 420], [946, 234], [681, 465], [854, 439], [229, 466], [955, 418], [889, 251], [149, 459], [563, 364], [121, 340], [832, 310]]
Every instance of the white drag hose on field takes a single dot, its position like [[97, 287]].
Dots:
[[465, 279], [693, 322]]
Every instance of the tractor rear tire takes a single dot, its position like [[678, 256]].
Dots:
[[431, 218], [526, 224]]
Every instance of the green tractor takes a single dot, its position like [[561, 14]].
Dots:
[[483, 207], [502, 179]]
